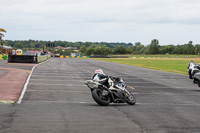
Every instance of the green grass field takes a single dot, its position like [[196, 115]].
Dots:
[[161, 56], [175, 65], [42, 58]]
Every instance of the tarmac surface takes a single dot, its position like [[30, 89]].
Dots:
[[56, 100]]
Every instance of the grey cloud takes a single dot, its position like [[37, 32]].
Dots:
[[133, 18]]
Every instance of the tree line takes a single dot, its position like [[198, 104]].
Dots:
[[41, 44], [104, 48], [138, 48]]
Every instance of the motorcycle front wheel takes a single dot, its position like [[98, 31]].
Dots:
[[131, 100], [101, 100]]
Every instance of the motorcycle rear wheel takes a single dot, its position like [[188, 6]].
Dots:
[[98, 98], [131, 100]]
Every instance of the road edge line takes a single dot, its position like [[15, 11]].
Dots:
[[19, 101]]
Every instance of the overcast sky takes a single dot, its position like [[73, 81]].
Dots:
[[169, 21]]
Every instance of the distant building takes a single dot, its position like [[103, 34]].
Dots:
[[6, 49], [75, 54], [59, 47], [66, 48], [73, 48]]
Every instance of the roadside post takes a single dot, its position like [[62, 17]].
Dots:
[[4, 57], [0, 56]]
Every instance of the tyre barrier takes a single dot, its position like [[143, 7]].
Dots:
[[74, 56], [22, 59]]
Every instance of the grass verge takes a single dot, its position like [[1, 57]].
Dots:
[[175, 65], [42, 58]]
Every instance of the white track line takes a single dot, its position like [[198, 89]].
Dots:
[[55, 76], [137, 104], [55, 80], [57, 84], [26, 84], [86, 91]]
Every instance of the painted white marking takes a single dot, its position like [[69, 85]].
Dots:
[[139, 82], [170, 104], [172, 94], [59, 102], [57, 80], [150, 86], [26, 84], [56, 84], [50, 72], [54, 76], [133, 78], [82, 102], [61, 91]]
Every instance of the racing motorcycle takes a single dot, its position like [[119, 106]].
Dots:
[[192, 69], [196, 79], [194, 72], [116, 93]]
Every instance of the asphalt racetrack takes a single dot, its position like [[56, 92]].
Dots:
[[57, 101]]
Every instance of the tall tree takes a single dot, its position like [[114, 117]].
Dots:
[[154, 47], [197, 49], [83, 50], [18, 45], [1, 41], [190, 48], [120, 50], [90, 51]]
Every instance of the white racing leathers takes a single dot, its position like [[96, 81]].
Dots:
[[101, 78]]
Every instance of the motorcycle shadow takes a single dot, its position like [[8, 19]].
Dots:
[[113, 105], [196, 90]]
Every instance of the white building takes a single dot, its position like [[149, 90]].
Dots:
[[75, 54]]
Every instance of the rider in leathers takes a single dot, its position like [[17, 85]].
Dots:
[[100, 77]]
